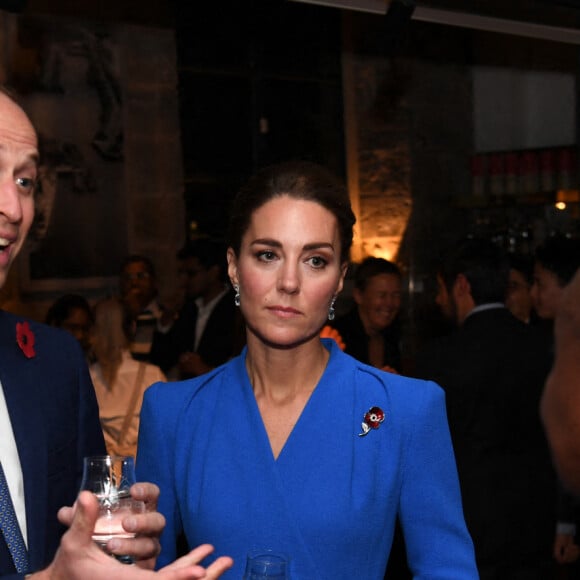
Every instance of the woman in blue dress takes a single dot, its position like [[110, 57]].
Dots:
[[295, 446]]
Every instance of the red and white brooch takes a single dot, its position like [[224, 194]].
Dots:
[[372, 420]]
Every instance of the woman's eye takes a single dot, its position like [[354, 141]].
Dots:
[[317, 262], [266, 256]]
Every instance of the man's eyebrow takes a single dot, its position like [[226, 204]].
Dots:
[[31, 157], [34, 158]]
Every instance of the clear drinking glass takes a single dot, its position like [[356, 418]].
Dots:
[[110, 479], [267, 565]]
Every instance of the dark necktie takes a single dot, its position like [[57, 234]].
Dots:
[[10, 528]]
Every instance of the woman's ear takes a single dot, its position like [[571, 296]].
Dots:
[[232, 266], [343, 270]]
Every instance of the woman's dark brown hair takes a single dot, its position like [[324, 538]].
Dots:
[[299, 180]]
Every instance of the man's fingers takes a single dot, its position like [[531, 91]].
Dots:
[[148, 524], [65, 515], [194, 557], [140, 548], [214, 571], [218, 567], [83, 521], [147, 492]]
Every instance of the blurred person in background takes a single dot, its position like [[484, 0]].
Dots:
[[371, 330], [203, 333], [72, 312], [555, 263], [519, 291], [119, 380], [138, 288], [492, 369], [561, 398]]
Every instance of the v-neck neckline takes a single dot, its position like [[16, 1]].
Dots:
[[259, 421]]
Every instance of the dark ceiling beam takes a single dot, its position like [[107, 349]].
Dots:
[[463, 19]]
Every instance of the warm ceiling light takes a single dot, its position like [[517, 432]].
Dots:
[[568, 195]]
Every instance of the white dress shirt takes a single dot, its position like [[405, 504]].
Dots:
[[11, 466]]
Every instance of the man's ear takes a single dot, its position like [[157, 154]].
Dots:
[[462, 285]]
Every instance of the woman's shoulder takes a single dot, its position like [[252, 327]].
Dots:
[[154, 374], [410, 396], [407, 401], [174, 393], [367, 376], [399, 386]]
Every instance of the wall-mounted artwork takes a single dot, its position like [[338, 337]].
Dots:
[[68, 76]]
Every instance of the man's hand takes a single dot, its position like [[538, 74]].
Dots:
[[145, 547], [79, 558]]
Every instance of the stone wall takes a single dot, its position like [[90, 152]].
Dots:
[[154, 172], [408, 119], [409, 140], [150, 175]]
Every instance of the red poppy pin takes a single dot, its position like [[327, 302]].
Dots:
[[25, 339], [372, 419]]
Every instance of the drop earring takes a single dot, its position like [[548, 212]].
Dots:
[[331, 311], [236, 295]]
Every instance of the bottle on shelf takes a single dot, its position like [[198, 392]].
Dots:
[[511, 173], [529, 173], [496, 174], [478, 170], [566, 168], [547, 171]]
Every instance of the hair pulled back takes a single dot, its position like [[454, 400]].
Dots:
[[299, 180]]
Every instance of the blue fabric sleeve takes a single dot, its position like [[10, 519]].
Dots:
[[155, 463], [438, 543]]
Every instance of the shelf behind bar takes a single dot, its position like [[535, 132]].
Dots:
[[522, 199]]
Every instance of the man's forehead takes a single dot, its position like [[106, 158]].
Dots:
[[16, 130]]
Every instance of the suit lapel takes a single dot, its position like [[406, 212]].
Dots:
[[21, 377]]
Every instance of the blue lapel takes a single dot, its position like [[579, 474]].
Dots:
[[21, 378]]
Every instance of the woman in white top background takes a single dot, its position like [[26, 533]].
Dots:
[[119, 380]]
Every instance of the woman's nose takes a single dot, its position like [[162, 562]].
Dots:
[[289, 279]]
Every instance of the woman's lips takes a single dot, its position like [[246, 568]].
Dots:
[[284, 311]]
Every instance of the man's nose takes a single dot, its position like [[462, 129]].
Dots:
[[10, 201]]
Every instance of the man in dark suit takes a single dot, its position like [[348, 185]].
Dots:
[[49, 419], [492, 370], [203, 334]]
